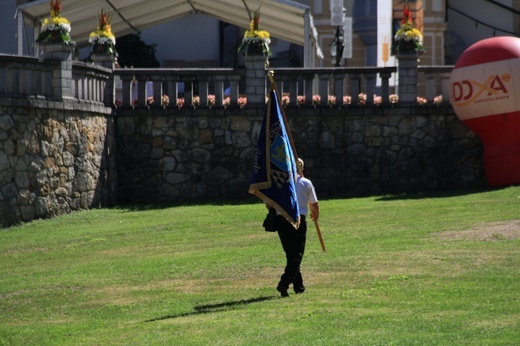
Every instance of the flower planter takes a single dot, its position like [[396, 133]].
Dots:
[[254, 49], [105, 60], [56, 51], [103, 42]]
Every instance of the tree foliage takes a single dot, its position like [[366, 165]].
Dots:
[[134, 52]]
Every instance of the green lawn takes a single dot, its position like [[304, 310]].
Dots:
[[432, 269]]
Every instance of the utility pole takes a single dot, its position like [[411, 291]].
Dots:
[[336, 45], [337, 16]]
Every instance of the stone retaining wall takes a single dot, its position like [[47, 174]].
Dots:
[[55, 157], [202, 154]]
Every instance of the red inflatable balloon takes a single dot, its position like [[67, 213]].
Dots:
[[485, 94]]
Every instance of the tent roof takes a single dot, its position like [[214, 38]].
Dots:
[[282, 18]]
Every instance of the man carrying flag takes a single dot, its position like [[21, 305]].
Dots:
[[278, 181]]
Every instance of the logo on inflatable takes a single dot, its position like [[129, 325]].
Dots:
[[484, 89], [469, 90]]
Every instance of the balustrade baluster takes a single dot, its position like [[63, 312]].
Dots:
[[47, 82], [99, 89], [370, 85], [90, 91], [234, 91], [431, 91], [157, 81], [25, 80], [126, 86], [219, 89], [307, 87], [323, 87], [354, 86], [35, 81], [12, 77], [79, 87], [102, 88], [17, 82], [281, 86], [188, 90], [291, 80], [173, 88], [385, 86], [445, 86], [141, 89], [83, 80], [203, 81], [339, 86]]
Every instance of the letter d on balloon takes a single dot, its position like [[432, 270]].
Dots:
[[459, 92]]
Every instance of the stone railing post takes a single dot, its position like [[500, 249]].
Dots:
[[255, 78], [407, 75], [62, 82]]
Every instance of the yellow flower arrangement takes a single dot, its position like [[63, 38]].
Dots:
[[256, 37], [102, 39], [57, 28], [408, 36]]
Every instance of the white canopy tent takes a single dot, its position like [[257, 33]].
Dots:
[[284, 19]]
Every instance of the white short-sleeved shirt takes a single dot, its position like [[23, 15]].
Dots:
[[305, 193]]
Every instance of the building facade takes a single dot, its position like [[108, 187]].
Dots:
[[449, 27]]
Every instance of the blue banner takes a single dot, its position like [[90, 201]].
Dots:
[[274, 172]]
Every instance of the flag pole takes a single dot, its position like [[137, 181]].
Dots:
[[319, 235], [270, 74]]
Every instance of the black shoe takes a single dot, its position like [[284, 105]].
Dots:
[[299, 288], [283, 291]]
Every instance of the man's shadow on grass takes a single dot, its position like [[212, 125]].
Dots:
[[209, 308]]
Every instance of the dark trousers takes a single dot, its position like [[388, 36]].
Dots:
[[293, 243]]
